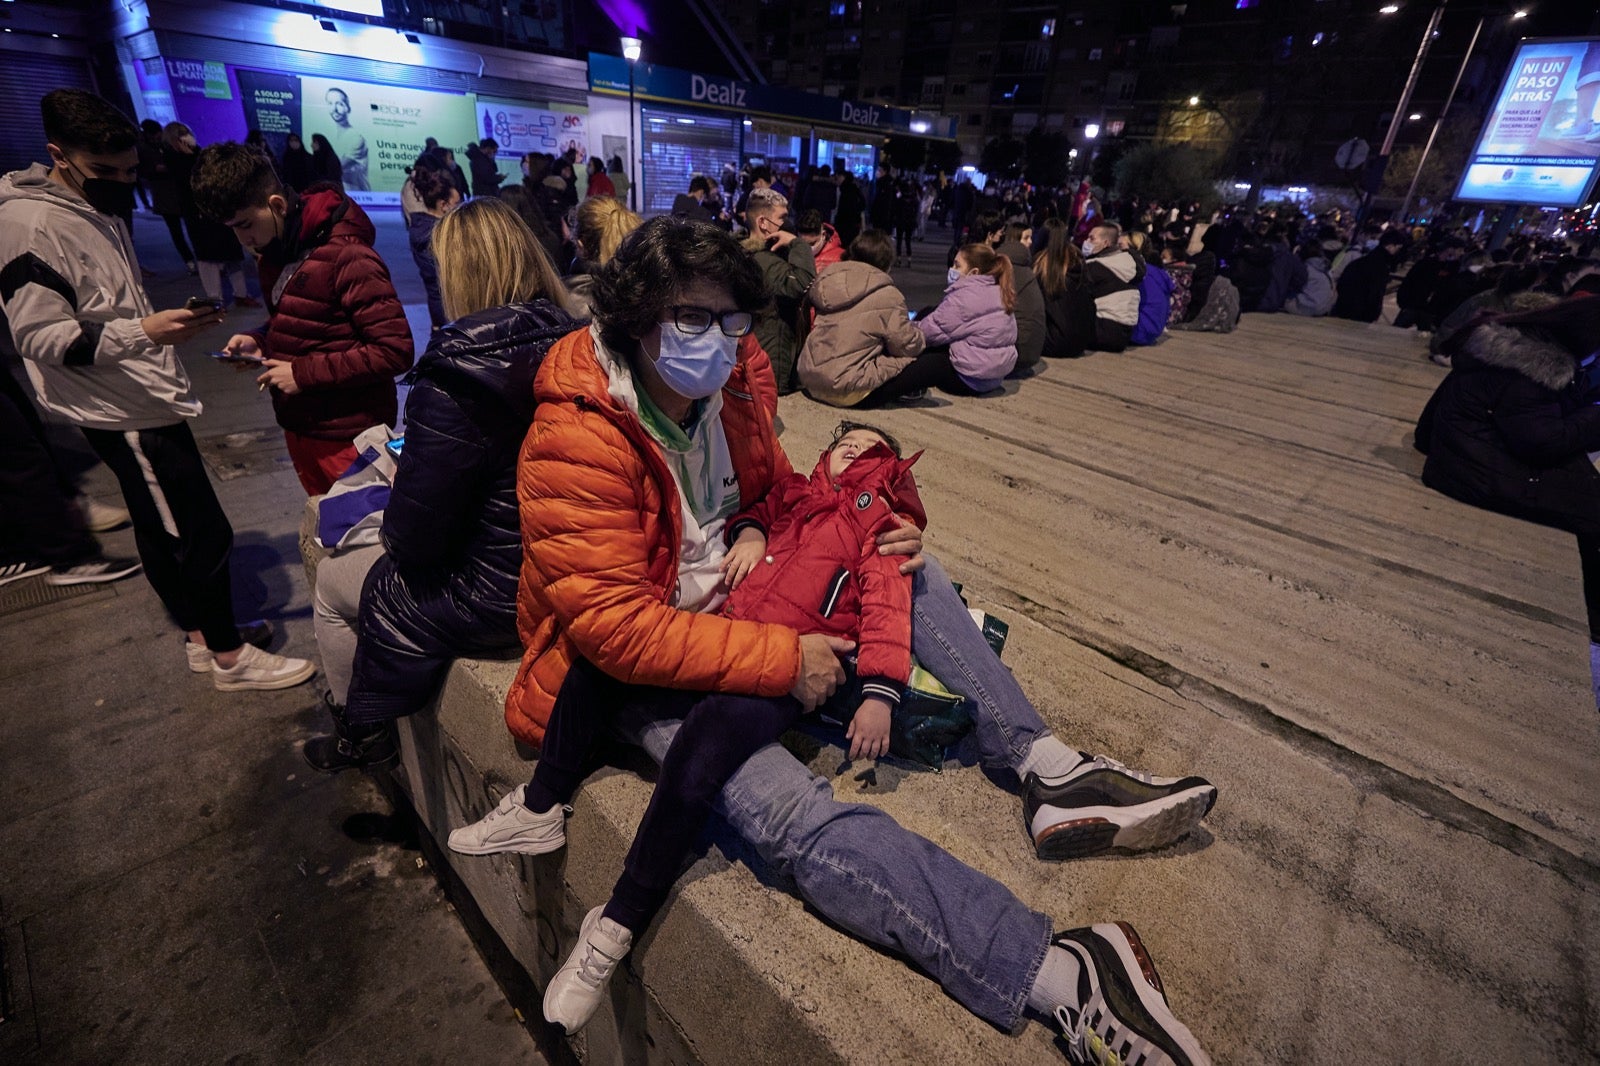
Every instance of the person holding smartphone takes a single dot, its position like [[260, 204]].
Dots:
[[100, 357]]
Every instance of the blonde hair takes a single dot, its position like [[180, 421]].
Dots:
[[488, 257], [602, 223]]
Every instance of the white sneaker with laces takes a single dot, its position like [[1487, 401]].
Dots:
[[577, 988], [257, 669], [200, 658], [513, 827]]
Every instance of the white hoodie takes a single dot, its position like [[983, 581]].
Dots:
[[70, 293]]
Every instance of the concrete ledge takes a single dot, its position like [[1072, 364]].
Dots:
[[802, 991]]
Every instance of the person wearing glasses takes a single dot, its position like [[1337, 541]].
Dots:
[[653, 433]]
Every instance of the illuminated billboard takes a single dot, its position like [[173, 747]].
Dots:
[[1541, 141]]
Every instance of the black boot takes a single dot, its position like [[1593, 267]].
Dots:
[[351, 747]]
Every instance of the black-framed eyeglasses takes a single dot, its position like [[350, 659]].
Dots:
[[696, 320]]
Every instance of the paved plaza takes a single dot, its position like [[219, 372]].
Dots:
[[1215, 556]]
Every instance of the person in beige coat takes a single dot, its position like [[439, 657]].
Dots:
[[862, 335]]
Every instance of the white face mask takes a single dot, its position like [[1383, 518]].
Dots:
[[952, 275], [1088, 248]]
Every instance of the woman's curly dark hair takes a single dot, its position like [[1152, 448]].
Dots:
[[656, 263]]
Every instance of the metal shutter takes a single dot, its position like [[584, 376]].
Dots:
[[679, 145], [24, 78]]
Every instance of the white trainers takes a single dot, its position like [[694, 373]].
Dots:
[[257, 669], [200, 658], [512, 827], [101, 517], [577, 988]]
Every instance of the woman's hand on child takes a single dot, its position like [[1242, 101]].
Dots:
[[747, 550], [906, 540], [869, 729], [820, 670]]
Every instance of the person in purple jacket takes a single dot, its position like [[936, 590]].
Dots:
[[971, 335]]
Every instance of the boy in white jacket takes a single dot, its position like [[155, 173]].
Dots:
[[100, 357]]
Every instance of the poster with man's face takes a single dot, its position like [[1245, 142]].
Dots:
[[379, 130]]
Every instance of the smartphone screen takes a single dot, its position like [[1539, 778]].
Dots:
[[202, 303], [241, 360], [396, 446]]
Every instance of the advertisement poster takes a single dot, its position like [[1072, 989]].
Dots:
[[1541, 141], [379, 130], [521, 128], [271, 104]]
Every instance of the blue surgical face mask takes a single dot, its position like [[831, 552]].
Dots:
[[952, 275], [696, 365]]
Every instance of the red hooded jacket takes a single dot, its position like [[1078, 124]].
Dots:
[[823, 573], [338, 321]]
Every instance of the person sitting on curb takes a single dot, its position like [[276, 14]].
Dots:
[[1513, 426], [100, 357], [1113, 278], [788, 270], [649, 436], [337, 336], [1069, 318], [971, 337], [442, 585], [1017, 246], [862, 336]]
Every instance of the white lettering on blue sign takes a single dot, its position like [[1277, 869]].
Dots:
[[729, 94], [860, 116]]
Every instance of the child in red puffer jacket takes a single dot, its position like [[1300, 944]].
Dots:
[[806, 556]]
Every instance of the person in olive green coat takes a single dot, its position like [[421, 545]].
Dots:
[[788, 270]]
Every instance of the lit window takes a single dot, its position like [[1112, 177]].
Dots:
[[1316, 40], [836, 10], [1241, 5], [1048, 29]]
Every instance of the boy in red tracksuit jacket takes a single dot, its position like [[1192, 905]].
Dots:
[[806, 556]]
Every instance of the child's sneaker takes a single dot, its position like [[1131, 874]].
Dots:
[[1122, 1014], [92, 573], [1102, 804], [577, 988], [257, 669], [513, 827], [200, 658]]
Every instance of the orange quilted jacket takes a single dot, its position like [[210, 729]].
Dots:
[[600, 539]]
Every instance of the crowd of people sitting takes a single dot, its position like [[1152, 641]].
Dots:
[[590, 476]]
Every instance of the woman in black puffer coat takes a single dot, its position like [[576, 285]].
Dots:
[[1511, 427], [445, 585]]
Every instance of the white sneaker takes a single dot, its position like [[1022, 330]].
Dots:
[[100, 517], [577, 988], [512, 827], [259, 669], [200, 658]]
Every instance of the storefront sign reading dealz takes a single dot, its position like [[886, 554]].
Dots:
[[609, 75]]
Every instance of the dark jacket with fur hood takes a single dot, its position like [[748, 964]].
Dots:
[[1509, 429]]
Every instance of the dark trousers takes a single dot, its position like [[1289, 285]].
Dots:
[[931, 370], [719, 733], [1589, 556], [179, 241], [1111, 336], [183, 535], [42, 521]]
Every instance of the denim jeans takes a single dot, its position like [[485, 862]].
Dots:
[[951, 647], [869, 875]]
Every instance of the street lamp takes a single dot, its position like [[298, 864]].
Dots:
[[1194, 101], [631, 47], [1092, 130]]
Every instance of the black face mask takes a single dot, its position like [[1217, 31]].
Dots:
[[114, 198], [285, 247]]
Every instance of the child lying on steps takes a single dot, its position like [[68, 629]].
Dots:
[[804, 557]]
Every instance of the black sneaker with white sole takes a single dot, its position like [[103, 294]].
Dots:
[[93, 572], [10, 572], [1122, 1015], [1102, 804]]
